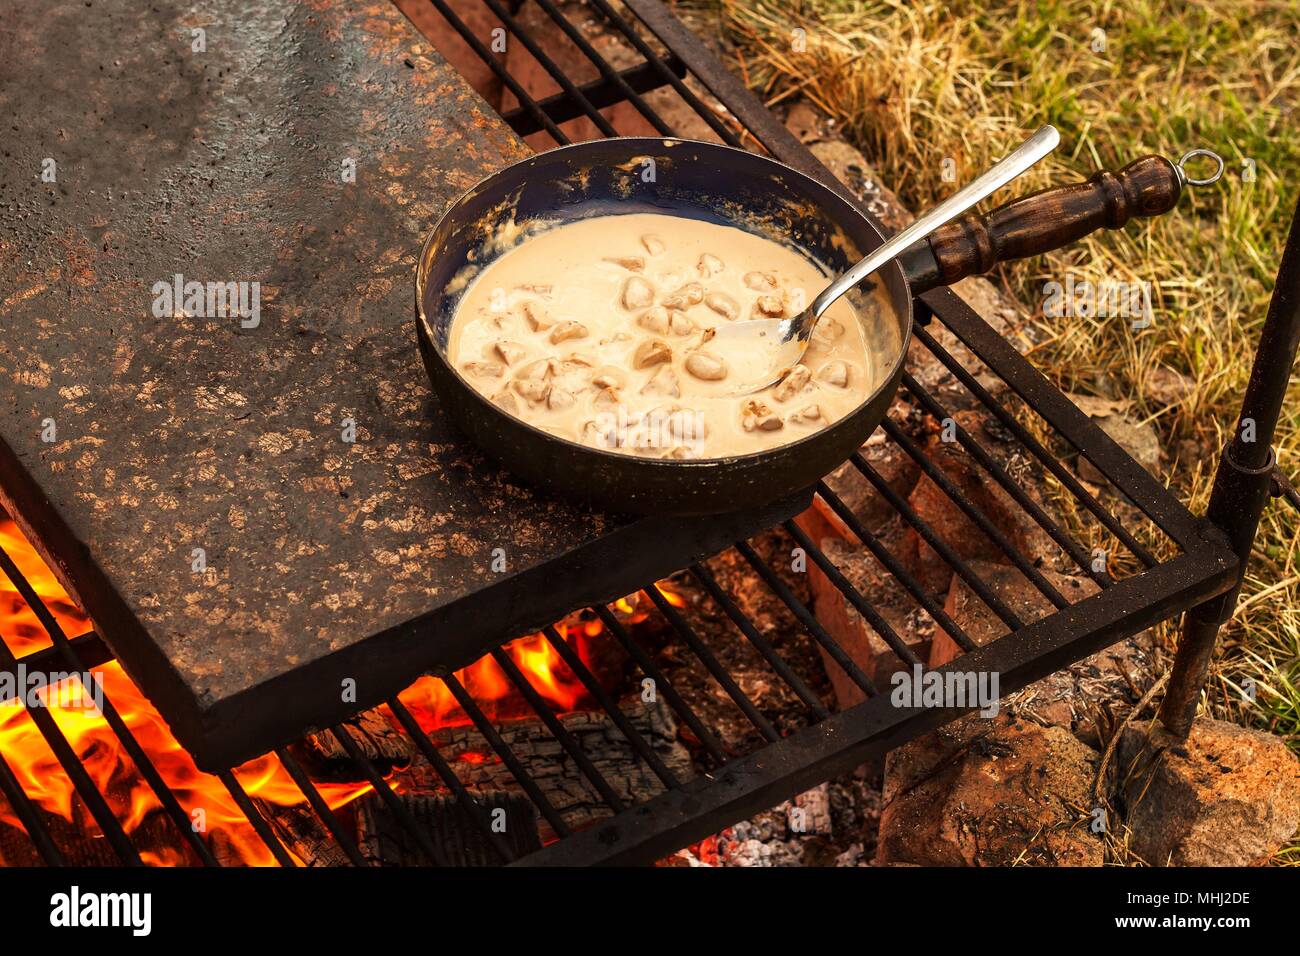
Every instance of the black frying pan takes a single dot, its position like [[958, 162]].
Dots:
[[732, 187]]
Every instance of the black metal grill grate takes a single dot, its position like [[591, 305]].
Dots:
[[1169, 561]]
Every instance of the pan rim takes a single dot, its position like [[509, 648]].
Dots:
[[888, 381]]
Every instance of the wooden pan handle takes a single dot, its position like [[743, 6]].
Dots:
[[1055, 217]]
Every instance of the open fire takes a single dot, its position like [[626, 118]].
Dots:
[[265, 779]]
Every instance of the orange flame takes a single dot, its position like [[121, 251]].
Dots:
[[203, 796]]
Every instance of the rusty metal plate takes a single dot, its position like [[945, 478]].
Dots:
[[257, 507]]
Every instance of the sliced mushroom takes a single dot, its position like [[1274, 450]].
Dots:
[[637, 293], [827, 331], [680, 453], [722, 304], [760, 281], [687, 425], [679, 324], [607, 397], [600, 434], [709, 265], [511, 352], [663, 382], [559, 399], [533, 389], [538, 318], [651, 352], [793, 382], [705, 366], [688, 295], [754, 415], [630, 263], [485, 369], [835, 373], [770, 305], [655, 318], [505, 400], [653, 245], [609, 376], [809, 414], [568, 330]]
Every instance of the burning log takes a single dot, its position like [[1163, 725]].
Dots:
[[374, 735], [451, 827]]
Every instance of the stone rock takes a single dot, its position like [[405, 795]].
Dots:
[[991, 792], [1138, 439], [850, 630], [1227, 796]]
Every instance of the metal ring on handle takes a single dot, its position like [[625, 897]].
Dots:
[[1193, 154]]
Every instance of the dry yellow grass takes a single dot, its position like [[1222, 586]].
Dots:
[[915, 84]]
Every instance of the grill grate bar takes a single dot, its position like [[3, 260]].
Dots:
[[81, 782], [936, 474], [394, 803], [484, 54], [711, 663], [601, 64], [507, 755], [166, 798], [321, 808], [538, 54], [1048, 460], [651, 56], [553, 723], [601, 94], [895, 567], [941, 547], [466, 800], [255, 819], [608, 704], [805, 617], [663, 685], [999, 474], [796, 684], [27, 814], [851, 593]]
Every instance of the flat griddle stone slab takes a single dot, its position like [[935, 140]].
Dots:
[[325, 559]]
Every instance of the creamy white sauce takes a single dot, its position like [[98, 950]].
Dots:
[[601, 332]]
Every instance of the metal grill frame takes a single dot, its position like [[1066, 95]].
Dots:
[[1208, 566]]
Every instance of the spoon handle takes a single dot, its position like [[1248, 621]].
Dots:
[[1027, 154]]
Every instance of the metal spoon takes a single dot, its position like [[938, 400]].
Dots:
[[787, 339]]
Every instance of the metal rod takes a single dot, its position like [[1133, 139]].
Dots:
[[507, 755], [852, 594], [1241, 485], [682, 89], [171, 807], [1051, 462], [429, 750], [255, 819], [608, 704], [76, 771], [549, 66], [601, 94], [28, 816], [764, 647], [971, 511], [558, 730], [712, 665], [390, 799], [662, 684], [321, 808], [998, 473], [607, 71], [502, 73], [805, 617], [941, 547], [895, 567]]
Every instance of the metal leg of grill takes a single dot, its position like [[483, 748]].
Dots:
[[1242, 484]]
